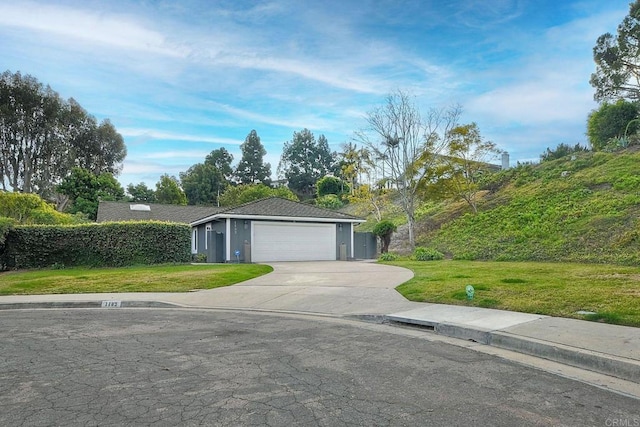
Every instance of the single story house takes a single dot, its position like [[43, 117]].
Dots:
[[271, 229], [275, 229]]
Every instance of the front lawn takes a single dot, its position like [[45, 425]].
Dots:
[[156, 278], [612, 292]]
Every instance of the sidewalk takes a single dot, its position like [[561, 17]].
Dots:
[[357, 289], [607, 349]]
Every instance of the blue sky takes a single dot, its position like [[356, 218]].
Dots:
[[181, 78]]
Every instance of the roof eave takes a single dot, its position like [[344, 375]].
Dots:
[[275, 218]]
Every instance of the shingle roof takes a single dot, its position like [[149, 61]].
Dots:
[[279, 207], [276, 206], [269, 207], [121, 211]]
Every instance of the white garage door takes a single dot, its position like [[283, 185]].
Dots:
[[283, 241]]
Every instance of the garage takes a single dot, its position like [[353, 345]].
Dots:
[[286, 241]]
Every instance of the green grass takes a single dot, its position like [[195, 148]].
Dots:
[[554, 289], [157, 278], [535, 213]]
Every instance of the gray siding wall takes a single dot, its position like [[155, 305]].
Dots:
[[203, 248], [343, 235], [202, 235]]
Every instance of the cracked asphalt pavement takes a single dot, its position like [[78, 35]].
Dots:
[[207, 367]]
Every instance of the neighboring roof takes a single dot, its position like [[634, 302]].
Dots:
[[136, 211], [279, 208]]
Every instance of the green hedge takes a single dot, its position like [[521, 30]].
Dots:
[[112, 244]]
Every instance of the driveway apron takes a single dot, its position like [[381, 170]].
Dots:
[[330, 287]]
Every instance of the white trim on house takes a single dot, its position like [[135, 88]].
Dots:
[[207, 231], [194, 240], [228, 239], [277, 218], [352, 242]]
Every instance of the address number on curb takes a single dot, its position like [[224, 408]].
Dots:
[[111, 304]]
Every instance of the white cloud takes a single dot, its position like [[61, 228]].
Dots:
[[544, 98], [163, 135], [486, 14], [183, 154], [291, 120], [106, 29], [535, 103]]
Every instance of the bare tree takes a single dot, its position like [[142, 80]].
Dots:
[[409, 144]]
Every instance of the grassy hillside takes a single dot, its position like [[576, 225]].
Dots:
[[584, 208]]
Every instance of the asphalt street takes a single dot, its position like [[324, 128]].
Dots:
[[210, 367]]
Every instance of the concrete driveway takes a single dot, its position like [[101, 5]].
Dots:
[[324, 287], [330, 287], [360, 274]]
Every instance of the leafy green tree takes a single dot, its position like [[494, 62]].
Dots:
[[221, 159], [612, 121], [617, 60], [244, 193], [168, 191], [141, 193], [86, 189], [368, 199], [465, 162], [304, 161], [252, 169], [562, 150], [105, 152], [384, 229], [331, 185], [42, 137], [203, 183]]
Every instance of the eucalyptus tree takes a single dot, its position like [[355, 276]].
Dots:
[[617, 60], [43, 137]]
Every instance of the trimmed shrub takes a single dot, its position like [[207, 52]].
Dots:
[[199, 258], [331, 185], [427, 254], [330, 201], [384, 229], [388, 256], [113, 244]]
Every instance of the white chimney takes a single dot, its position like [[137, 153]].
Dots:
[[505, 160]]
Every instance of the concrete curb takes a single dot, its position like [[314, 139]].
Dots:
[[84, 304], [615, 366], [619, 367]]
